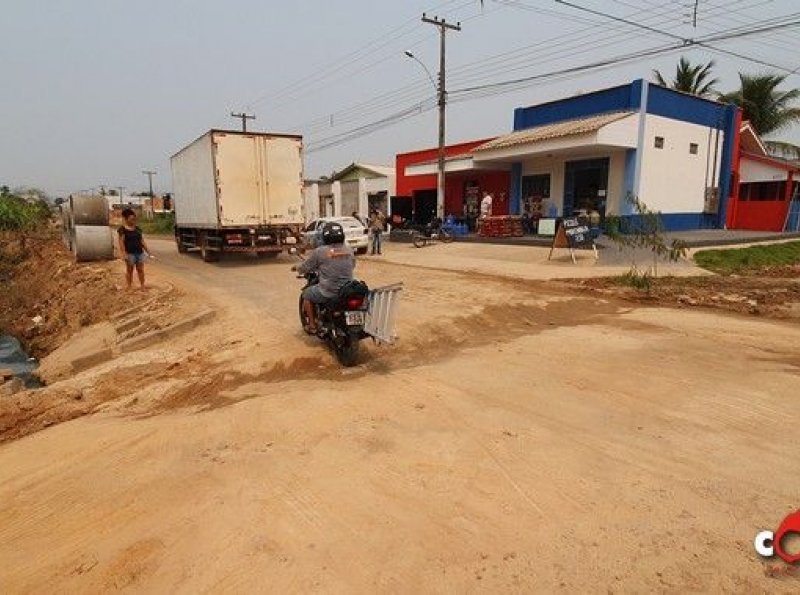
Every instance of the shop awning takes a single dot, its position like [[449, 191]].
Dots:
[[617, 129], [454, 164]]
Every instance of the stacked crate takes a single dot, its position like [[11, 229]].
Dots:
[[501, 227]]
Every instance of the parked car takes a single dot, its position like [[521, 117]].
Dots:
[[356, 235]]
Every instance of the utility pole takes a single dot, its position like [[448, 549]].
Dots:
[[150, 175], [244, 117], [121, 190], [443, 26]]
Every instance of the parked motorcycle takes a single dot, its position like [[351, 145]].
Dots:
[[433, 232], [340, 323]]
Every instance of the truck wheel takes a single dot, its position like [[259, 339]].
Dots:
[[209, 255], [362, 251], [181, 246], [418, 240]]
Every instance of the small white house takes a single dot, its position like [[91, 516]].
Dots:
[[358, 188]]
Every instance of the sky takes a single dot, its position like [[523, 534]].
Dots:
[[92, 92]]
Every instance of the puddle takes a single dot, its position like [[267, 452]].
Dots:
[[13, 357]]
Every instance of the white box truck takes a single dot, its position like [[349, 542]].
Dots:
[[238, 192]]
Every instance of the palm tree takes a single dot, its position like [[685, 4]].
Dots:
[[691, 78], [767, 108]]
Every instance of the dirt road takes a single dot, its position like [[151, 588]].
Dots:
[[519, 438]]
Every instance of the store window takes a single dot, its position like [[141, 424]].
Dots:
[[694, 148], [659, 142], [538, 185], [535, 190], [762, 191]]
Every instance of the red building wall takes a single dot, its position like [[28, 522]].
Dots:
[[496, 182], [762, 206], [761, 215]]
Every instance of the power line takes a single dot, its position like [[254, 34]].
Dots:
[[685, 40], [464, 74], [350, 60], [486, 90]]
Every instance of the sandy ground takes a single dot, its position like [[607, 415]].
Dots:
[[519, 438], [532, 262]]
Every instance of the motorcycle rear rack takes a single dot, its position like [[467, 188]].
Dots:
[[382, 313]]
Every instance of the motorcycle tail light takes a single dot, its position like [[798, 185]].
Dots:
[[355, 302]]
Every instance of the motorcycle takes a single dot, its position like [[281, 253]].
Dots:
[[340, 323], [431, 233]]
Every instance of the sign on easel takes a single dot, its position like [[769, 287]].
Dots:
[[573, 235]]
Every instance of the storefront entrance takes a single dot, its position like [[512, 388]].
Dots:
[[586, 187], [424, 206]]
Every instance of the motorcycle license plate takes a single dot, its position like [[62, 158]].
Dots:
[[354, 318]]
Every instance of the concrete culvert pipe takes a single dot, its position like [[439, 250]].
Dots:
[[88, 210], [66, 226], [92, 242]]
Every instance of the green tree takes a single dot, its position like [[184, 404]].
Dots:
[[696, 79], [31, 193], [768, 108]]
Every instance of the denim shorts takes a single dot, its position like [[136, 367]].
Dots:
[[314, 295], [134, 259]]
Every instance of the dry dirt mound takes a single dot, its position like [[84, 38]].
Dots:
[[47, 297], [775, 293]]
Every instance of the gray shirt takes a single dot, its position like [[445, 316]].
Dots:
[[334, 263]]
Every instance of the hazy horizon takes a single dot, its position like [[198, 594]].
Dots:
[[97, 91]]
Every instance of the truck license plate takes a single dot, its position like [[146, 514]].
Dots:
[[354, 318]]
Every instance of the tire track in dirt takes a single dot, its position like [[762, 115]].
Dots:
[[441, 341]]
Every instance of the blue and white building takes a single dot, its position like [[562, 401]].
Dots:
[[676, 152]]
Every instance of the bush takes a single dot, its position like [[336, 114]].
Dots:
[[17, 214], [644, 230], [635, 279], [160, 224]]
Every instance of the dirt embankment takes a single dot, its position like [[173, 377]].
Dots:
[[45, 297], [771, 293]]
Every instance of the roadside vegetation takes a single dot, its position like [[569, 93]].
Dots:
[[160, 224], [643, 231], [24, 217], [751, 260], [21, 214]]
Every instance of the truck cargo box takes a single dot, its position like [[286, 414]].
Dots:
[[236, 179]]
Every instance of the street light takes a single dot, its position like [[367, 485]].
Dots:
[[410, 54]]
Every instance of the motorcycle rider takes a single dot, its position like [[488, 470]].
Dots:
[[334, 262]]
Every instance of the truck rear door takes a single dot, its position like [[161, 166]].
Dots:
[[239, 179], [284, 176]]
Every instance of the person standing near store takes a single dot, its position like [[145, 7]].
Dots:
[[486, 207], [376, 225], [132, 247]]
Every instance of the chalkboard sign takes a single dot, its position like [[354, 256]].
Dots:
[[578, 234], [572, 234]]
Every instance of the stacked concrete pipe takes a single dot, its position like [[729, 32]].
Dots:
[[90, 237]]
